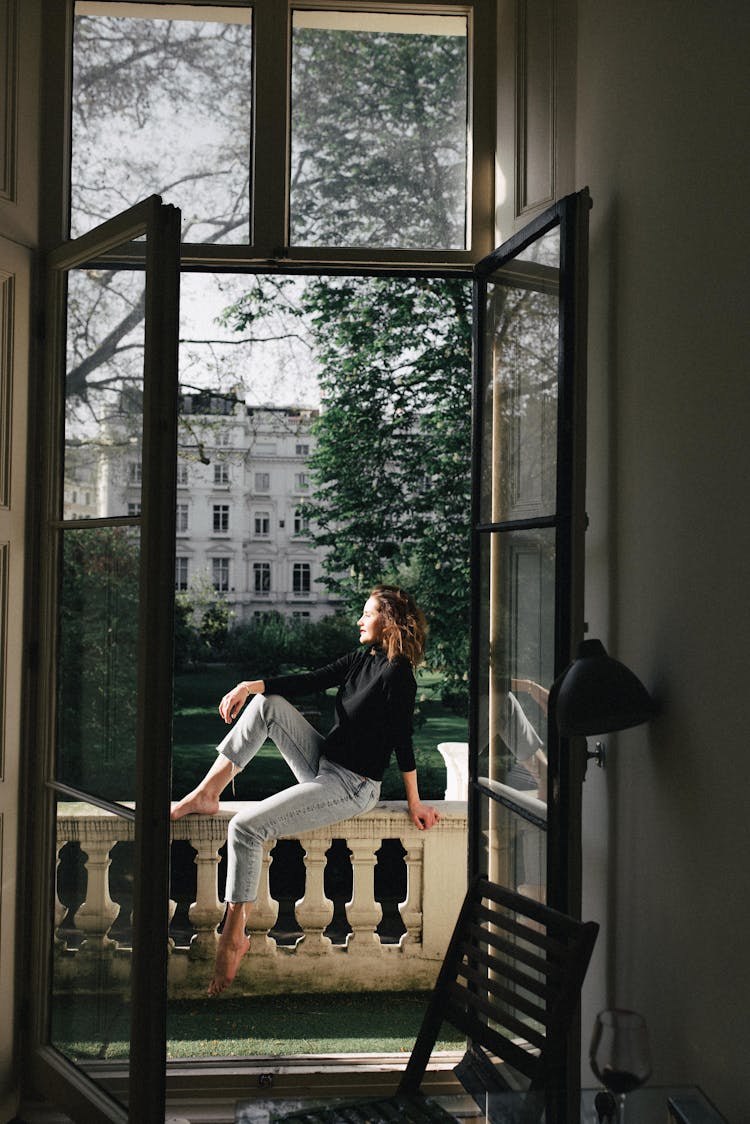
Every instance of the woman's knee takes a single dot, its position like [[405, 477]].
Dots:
[[242, 829], [271, 705]]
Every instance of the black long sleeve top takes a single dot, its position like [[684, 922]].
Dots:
[[374, 709]]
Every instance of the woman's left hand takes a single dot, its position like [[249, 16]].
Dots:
[[423, 816]]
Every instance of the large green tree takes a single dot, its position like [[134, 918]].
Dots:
[[390, 473]]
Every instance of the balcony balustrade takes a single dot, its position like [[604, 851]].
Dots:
[[93, 932]]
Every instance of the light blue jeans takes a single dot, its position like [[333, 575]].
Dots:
[[325, 793]]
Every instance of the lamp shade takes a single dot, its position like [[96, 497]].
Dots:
[[597, 694]]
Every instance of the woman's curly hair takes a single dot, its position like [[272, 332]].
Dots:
[[404, 624]]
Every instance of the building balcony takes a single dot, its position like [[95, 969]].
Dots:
[[93, 939]]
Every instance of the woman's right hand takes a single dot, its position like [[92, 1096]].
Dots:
[[234, 700]]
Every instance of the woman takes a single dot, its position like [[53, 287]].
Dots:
[[338, 774]]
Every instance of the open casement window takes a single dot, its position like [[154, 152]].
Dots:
[[528, 524], [108, 559]]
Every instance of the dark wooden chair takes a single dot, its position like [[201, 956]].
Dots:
[[511, 982]]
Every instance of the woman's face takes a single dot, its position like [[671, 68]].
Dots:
[[370, 624]]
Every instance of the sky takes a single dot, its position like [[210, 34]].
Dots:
[[280, 371]]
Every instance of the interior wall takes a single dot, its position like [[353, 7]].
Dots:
[[661, 132]]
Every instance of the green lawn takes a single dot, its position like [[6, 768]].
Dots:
[[198, 728], [85, 1027]]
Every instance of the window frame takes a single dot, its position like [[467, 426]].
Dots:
[[47, 1069], [566, 761], [261, 578], [182, 573], [261, 524], [220, 516], [220, 570], [269, 171], [302, 577]]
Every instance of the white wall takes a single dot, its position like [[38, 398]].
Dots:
[[662, 127]]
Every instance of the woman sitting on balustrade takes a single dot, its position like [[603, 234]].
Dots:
[[338, 773]]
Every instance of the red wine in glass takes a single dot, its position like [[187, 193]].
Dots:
[[619, 1052]]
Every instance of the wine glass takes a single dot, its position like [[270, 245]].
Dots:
[[619, 1052]]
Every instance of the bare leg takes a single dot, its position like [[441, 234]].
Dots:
[[233, 944], [205, 798]]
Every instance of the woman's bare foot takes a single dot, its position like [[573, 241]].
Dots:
[[199, 801], [228, 958]]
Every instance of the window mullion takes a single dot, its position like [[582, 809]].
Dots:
[[269, 171]]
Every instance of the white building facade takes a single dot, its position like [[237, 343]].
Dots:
[[242, 478]]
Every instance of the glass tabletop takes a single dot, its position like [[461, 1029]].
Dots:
[[654, 1104]]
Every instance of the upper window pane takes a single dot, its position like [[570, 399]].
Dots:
[[162, 106], [104, 393], [520, 395], [379, 130]]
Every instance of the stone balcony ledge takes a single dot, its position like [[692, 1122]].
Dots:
[[435, 863]]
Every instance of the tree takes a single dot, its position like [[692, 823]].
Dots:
[[378, 158], [378, 137], [391, 481], [163, 106], [98, 660]]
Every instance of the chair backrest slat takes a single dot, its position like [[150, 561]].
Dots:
[[461, 999], [503, 991], [521, 976], [512, 1052], [532, 934], [511, 948]]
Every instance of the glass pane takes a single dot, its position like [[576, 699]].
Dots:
[[516, 667], [98, 635], [104, 393], [92, 942], [379, 130], [519, 432], [162, 106]]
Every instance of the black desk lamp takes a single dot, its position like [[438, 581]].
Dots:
[[597, 694]]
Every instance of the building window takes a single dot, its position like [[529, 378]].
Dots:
[[133, 508], [221, 518], [300, 614], [262, 577], [301, 482], [182, 518], [262, 524], [180, 573], [221, 474], [262, 481], [301, 577], [135, 472], [301, 450], [301, 523], [182, 475], [220, 574]]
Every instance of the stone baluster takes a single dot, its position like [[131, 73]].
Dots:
[[97, 913], [206, 911], [171, 910], [411, 908], [363, 911], [263, 912], [314, 911], [60, 910]]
